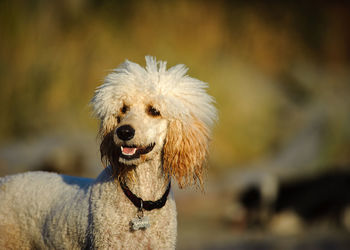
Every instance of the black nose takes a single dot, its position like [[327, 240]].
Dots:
[[125, 132]]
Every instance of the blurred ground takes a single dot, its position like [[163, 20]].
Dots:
[[280, 74]]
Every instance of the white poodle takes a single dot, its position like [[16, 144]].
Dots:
[[155, 124]]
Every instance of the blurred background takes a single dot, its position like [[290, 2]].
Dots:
[[279, 170]]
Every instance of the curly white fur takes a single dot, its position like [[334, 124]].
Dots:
[[171, 115]]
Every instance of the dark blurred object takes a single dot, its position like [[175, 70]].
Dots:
[[323, 198]]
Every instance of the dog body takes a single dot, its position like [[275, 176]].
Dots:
[[155, 124], [63, 212]]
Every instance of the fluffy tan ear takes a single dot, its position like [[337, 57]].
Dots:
[[185, 152]]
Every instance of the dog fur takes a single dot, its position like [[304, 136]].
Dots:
[[171, 115]]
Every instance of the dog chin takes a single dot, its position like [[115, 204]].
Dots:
[[133, 162]]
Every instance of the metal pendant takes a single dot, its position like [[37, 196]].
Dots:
[[141, 222]]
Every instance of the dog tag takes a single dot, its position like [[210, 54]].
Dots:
[[140, 223]]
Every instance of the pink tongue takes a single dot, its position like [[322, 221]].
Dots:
[[129, 150]]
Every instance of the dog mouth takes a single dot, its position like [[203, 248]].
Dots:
[[133, 151]]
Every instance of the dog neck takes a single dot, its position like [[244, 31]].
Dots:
[[148, 181]]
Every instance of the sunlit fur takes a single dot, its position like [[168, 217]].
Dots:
[[185, 152], [181, 100]]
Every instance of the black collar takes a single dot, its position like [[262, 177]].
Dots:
[[141, 204]]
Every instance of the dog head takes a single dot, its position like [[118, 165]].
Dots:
[[153, 113]]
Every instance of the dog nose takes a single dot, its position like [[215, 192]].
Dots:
[[125, 132]]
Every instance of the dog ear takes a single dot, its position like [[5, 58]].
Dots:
[[185, 152]]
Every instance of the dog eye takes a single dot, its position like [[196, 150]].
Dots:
[[124, 109], [152, 111]]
